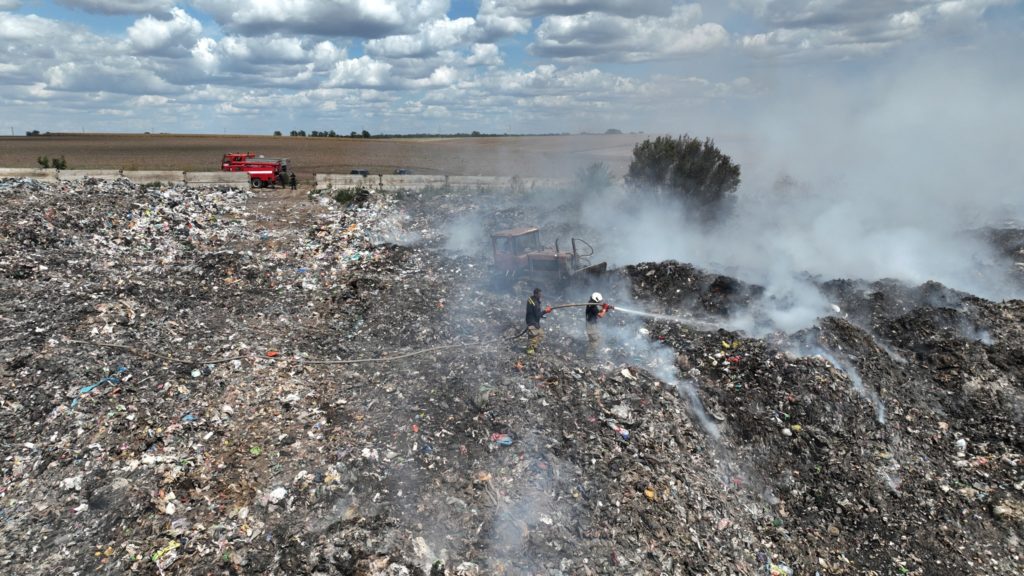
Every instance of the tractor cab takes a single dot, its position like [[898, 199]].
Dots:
[[512, 248], [519, 256]]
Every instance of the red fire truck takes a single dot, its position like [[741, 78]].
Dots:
[[262, 171]]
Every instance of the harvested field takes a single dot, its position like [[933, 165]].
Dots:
[[527, 156]]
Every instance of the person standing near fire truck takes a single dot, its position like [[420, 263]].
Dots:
[[533, 315], [292, 181], [596, 309]]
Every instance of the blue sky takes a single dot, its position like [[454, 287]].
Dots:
[[529, 66]]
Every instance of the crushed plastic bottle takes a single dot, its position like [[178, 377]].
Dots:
[[622, 432], [501, 439]]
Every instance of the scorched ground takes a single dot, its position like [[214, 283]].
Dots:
[[177, 395]]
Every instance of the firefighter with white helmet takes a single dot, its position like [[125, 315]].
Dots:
[[596, 308]]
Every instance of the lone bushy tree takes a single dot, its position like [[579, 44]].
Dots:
[[694, 170], [594, 178]]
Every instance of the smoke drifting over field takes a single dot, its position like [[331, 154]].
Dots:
[[893, 185]]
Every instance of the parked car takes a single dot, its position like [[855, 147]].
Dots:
[[360, 171]]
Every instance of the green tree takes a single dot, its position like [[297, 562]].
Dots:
[[60, 163], [366, 133], [695, 171], [594, 178], [277, 132], [43, 161]]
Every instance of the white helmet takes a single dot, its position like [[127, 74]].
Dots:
[[596, 297]]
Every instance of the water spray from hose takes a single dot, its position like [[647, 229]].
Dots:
[[685, 388], [690, 320]]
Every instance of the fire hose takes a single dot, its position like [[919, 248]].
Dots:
[[172, 359], [525, 330]]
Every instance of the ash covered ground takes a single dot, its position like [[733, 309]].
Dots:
[[179, 394]]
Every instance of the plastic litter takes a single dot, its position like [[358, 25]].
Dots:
[[622, 432], [166, 556], [340, 483], [112, 379], [501, 439]]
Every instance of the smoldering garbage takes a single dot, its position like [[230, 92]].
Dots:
[[168, 405]]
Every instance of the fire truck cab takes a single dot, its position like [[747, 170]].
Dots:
[[262, 171]]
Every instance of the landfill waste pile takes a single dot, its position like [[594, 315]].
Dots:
[[191, 385]]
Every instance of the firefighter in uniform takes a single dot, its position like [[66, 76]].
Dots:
[[533, 315], [292, 180], [596, 308]]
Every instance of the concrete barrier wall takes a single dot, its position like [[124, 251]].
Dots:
[[386, 182], [98, 174], [41, 174], [240, 179], [347, 181], [413, 182], [420, 182]]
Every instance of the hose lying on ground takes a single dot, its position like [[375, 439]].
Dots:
[[172, 359], [140, 352]]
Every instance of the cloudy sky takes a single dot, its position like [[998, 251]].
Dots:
[[518, 66]]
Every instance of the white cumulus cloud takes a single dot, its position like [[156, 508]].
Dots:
[[526, 65], [205, 56], [530, 8], [362, 72], [174, 35], [337, 18], [432, 37], [120, 6], [484, 55], [608, 37], [845, 28], [968, 9], [118, 76]]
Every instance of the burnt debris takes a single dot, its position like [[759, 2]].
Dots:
[[194, 382]]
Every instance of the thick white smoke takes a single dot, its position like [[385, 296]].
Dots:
[[849, 177]]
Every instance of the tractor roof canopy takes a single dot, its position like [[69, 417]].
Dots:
[[513, 232]]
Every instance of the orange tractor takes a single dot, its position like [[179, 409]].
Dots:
[[521, 262]]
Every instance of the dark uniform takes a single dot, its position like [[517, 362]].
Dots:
[[534, 313], [594, 311], [293, 181]]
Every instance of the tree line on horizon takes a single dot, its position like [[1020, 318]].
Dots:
[[366, 134]]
